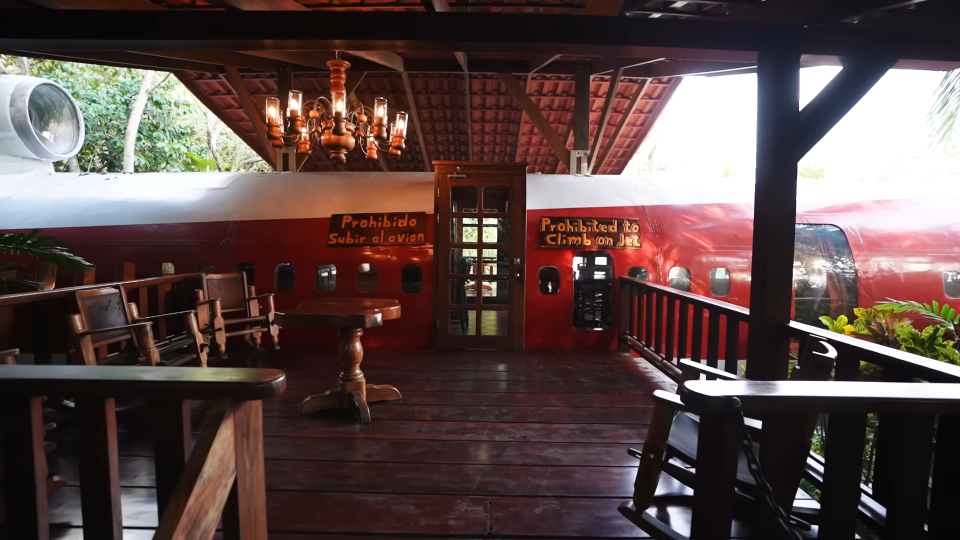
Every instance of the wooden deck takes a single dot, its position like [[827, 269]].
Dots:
[[484, 444]]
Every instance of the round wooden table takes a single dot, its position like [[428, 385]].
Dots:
[[350, 316]]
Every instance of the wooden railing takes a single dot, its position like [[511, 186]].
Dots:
[[923, 492], [665, 325], [32, 321], [223, 474]]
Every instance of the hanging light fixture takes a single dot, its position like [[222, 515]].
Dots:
[[333, 123]]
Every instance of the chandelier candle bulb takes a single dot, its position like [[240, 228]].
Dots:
[[273, 108], [401, 124], [293, 103]]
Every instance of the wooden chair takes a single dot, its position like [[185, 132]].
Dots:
[[104, 318], [673, 443], [229, 294]]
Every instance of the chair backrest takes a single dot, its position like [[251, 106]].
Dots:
[[231, 289], [104, 308]]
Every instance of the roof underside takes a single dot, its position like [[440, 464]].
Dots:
[[460, 105]]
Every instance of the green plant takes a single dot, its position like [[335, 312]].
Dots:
[[45, 248], [838, 326], [929, 342], [940, 314], [878, 325]]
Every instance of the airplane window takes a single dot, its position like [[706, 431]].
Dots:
[[326, 278], [367, 278], [205, 267], [246, 268], [283, 277], [549, 279], [592, 290], [719, 282], [639, 272], [951, 285], [411, 278], [824, 274], [680, 278]]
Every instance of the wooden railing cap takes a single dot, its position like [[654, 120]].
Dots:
[[168, 383], [694, 299], [815, 397]]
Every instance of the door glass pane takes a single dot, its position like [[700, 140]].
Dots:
[[463, 199], [496, 230], [464, 230], [494, 323], [463, 322], [495, 293], [463, 291], [496, 199], [496, 262], [463, 261]]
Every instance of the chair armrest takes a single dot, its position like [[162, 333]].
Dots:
[[209, 301], [114, 328], [175, 314], [691, 368], [259, 296]]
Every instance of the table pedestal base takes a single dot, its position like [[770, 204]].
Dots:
[[354, 393]]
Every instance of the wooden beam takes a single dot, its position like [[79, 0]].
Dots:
[[208, 477], [652, 115], [605, 8], [605, 117], [264, 152], [774, 214], [391, 60], [260, 5], [124, 59], [543, 126], [427, 164], [222, 58], [840, 95], [284, 84], [99, 468], [520, 33], [466, 86], [581, 108], [127, 5], [249, 107], [540, 61], [624, 121], [604, 65]]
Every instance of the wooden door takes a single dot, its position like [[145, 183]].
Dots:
[[480, 240]]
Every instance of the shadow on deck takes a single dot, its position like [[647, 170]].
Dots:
[[483, 444]]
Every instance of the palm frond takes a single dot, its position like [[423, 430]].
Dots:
[[945, 111], [45, 248]]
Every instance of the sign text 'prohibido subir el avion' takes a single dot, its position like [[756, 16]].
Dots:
[[570, 232], [395, 229]]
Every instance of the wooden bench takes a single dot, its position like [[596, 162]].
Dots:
[[104, 317], [715, 508], [221, 476], [229, 294]]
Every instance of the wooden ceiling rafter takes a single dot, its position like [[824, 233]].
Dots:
[[651, 118], [622, 126], [249, 106], [415, 117], [612, 89], [536, 116]]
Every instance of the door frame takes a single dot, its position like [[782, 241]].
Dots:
[[473, 173]]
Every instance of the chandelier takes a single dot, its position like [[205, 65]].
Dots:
[[333, 123]]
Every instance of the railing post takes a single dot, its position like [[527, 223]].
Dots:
[[24, 468], [171, 447], [841, 476], [713, 338], [245, 514], [944, 495], [716, 476], [40, 330], [626, 315], [696, 341], [99, 469]]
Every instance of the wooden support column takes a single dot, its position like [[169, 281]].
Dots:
[[605, 115], [774, 213], [171, 447], [284, 84], [466, 86], [581, 107], [99, 469]]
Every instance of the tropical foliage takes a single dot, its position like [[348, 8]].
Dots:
[[945, 110], [46, 248], [174, 133]]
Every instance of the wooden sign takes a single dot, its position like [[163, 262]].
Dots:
[[571, 232], [395, 229]]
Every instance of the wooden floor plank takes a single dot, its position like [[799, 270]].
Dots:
[[520, 445], [487, 413]]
